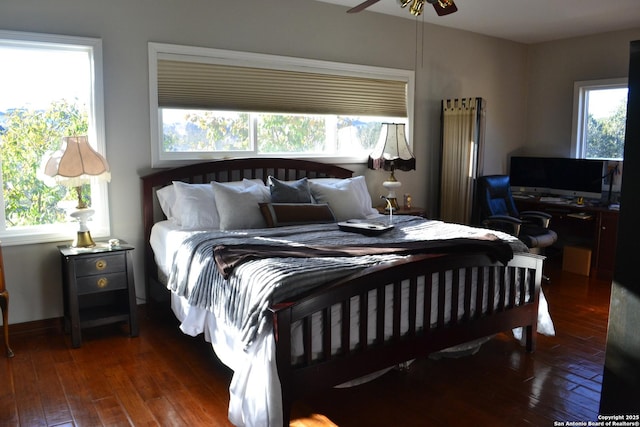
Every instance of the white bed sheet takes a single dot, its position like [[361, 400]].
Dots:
[[255, 393]]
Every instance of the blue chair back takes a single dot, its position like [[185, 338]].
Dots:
[[495, 196]]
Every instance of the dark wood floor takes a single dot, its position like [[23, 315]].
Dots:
[[166, 378]]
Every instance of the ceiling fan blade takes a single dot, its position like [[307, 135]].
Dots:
[[445, 7], [362, 6]]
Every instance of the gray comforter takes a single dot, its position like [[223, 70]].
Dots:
[[243, 298]]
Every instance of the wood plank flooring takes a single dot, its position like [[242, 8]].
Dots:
[[165, 378]]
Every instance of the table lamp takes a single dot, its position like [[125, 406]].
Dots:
[[73, 166], [390, 153]]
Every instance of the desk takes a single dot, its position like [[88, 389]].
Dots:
[[593, 227]]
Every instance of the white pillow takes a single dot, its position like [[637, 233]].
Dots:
[[238, 208], [245, 183], [331, 181], [364, 196], [195, 206], [348, 198], [360, 187], [167, 199]]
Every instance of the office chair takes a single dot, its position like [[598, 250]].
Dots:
[[498, 212]]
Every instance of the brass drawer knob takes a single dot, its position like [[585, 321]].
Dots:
[[101, 264], [102, 282]]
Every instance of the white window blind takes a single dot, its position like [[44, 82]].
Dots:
[[200, 85]]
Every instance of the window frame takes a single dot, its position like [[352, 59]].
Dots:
[[100, 222], [158, 51], [580, 119]]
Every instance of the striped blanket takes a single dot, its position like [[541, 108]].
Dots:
[[243, 298]]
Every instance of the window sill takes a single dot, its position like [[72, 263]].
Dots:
[[63, 233]]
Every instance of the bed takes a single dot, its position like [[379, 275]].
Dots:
[[290, 321]]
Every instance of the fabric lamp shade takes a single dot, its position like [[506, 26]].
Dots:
[[76, 163], [392, 150]]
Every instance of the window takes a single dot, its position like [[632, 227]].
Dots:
[[51, 87], [210, 103], [600, 111]]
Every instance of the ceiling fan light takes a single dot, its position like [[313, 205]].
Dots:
[[417, 7], [442, 7]]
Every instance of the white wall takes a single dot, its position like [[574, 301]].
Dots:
[[553, 69], [452, 64]]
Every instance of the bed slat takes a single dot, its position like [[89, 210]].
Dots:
[[327, 330], [380, 315], [502, 283], [397, 309], [413, 306], [441, 298], [345, 327], [363, 320]]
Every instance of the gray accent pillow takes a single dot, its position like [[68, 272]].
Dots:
[[291, 191]]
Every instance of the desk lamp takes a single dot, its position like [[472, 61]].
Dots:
[[390, 153], [73, 166]]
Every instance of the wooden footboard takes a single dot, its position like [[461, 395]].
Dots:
[[489, 298]]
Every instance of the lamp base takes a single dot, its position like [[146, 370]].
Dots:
[[393, 204], [83, 240], [392, 186]]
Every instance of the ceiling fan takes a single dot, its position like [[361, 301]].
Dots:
[[442, 7]]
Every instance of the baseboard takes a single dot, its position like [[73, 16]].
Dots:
[[37, 326]]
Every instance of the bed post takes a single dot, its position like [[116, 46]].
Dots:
[[531, 331], [148, 219], [281, 317]]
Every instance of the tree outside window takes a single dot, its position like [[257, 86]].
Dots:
[[27, 136], [607, 115], [51, 88], [600, 115], [282, 134]]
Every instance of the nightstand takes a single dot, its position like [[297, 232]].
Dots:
[[98, 288], [402, 211]]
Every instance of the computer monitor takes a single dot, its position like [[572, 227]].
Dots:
[[557, 176], [529, 175]]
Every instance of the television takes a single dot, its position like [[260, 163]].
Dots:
[[557, 176]]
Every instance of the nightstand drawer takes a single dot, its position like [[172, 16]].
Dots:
[[112, 263], [101, 283]]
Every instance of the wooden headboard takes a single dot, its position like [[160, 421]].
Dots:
[[222, 171]]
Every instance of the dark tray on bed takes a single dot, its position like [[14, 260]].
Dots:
[[366, 228]]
